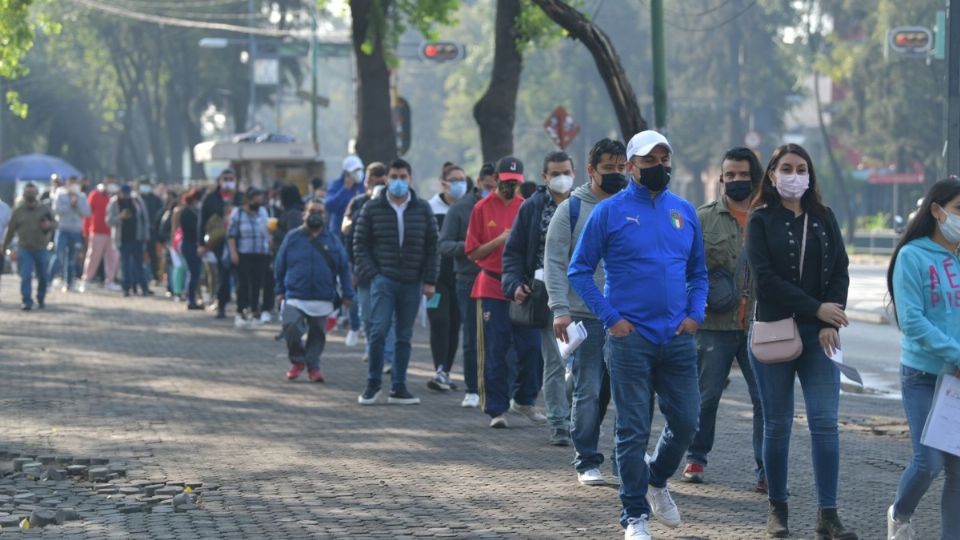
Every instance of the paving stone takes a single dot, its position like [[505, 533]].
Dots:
[[98, 474], [77, 470]]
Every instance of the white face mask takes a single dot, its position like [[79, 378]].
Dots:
[[229, 185], [792, 186], [561, 184], [950, 228], [112, 188], [75, 189]]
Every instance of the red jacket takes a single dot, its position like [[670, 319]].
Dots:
[[96, 223]]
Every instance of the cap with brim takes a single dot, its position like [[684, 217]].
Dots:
[[510, 169], [352, 164], [644, 142]]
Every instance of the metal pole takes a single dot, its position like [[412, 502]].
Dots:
[[313, 78], [953, 87], [252, 121], [659, 66]]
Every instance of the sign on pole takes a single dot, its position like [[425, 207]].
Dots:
[[896, 178], [561, 128]]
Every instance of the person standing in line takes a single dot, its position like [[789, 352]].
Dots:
[[128, 219], [343, 190], [591, 382], [809, 285], [523, 261], [31, 222], [924, 288], [653, 303], [100, 246], [309, 265], [487, 233], [186, 219], [723, 336], [249, 242], [214, 210], [395, 245], [445, 316], [71, 208], [453, 236], [154, 207]]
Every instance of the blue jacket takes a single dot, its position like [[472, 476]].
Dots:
[[520, 252], [926, 292], [336, 201], [654, 265], [302, 272]]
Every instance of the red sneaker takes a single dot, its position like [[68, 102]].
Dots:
[[331, 324], [295, 371], [693, 473], [315, 375]]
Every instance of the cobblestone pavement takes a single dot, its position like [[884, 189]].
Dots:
[[178, 396]]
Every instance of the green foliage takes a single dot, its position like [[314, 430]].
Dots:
[[873, 222], [16, 38]]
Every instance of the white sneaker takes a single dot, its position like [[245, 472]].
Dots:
[[592, 477], [266, 317], [82, 286], [240, 322], [529, 411], [114, 287], [353, 337], [662, 506], [64, 289], [499, 422], [898, 530], [637, 529], [470, 401]]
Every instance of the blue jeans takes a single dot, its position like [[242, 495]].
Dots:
[[68, 245], [591, 395], [354, 317], [716, 351], [27, 261], [391, 302], [131, 261], [918, 389], [820, 381], [189, 251], [498, 336], [638, 368], [389, 348], [468, 314]]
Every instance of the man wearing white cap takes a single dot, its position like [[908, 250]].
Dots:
[[342, 191], [653, 303]]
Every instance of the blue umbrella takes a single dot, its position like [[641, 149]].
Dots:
[[35, 167]]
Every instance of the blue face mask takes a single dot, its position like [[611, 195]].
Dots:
[[457, 189], [484, 193], [398, 187]]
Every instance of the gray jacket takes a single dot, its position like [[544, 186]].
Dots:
[[70, 218], [559, 247], [114, 221], [453, 237]]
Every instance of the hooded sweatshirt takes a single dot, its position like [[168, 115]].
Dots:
[[557, 251], [926, 288]]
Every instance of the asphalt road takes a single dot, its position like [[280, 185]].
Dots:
[[874, 349]]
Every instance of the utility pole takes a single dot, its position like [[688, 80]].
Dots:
[[953, 87], [252, 58], [659, 66], [313, 76]]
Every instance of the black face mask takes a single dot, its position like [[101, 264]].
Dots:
[[612, 183], [655, 178], [507, 189], [315, 221], [254, 206], [738, 191], [30, 198]]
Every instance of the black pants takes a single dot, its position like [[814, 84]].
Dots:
[[268, 285], [224, 278], [445, 328], [251, 273], [151, 247]]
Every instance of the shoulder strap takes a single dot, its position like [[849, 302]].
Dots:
[[318, 245], [574, 207], [803, 243]]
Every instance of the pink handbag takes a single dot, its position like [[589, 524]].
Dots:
[[776, 342]]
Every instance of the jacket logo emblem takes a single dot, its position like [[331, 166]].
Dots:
[[634, 219], [676, 219], [491, 223]]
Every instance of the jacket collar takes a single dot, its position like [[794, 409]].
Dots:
[[383, 196], [641, 192]]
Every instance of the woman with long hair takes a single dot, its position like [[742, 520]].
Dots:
[[924, 287], [186, 220], [799, 267]]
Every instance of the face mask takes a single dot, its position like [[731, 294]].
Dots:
[[561, 184], [74, 189], [398, 187], [792, 186], [144, 189], [112, 188], [950, 229], [255, 206], [612, 183], [30, 198], [378, 189], [315, 221], [457, 189], [738, 191], [229, 185], [655, 178], [484, 193], [507, 190]]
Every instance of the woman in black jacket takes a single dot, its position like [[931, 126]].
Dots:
[[811, 286]]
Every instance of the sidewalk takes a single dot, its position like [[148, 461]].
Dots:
[[178, 396]]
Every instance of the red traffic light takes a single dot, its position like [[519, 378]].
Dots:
[[441, 51], [911, 39]]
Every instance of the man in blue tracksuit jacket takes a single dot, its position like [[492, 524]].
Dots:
[[310, 262], [652, 305]]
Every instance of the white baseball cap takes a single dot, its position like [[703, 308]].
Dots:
[[644, 142], [352, 164]]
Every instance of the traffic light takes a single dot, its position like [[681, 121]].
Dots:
[[911, 40], [442, 51]]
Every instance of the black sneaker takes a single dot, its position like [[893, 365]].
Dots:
[[438, 383], [41, 304], [560, 437], [402, 397], [370, 395], [25, 307]]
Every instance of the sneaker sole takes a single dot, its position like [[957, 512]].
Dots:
[[371, 401], [436, 385], [692, 479], [592, 482], [469, 405], [499, 425], [661, 519], [403, 401]]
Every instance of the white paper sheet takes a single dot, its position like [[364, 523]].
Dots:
[[942, 430], [576, 334], [847, 371]]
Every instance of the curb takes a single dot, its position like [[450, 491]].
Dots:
[[872, 317]]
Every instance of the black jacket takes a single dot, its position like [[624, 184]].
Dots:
[[376, 247], [352, 212], [773, 250], [453, 235], [520, 253]]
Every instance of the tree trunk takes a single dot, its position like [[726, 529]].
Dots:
[[496, 111], [834, 164], [376, 140], [622, 96]]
